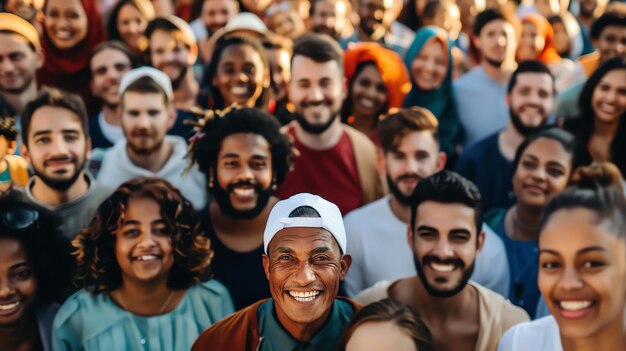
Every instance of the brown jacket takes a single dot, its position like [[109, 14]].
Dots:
[[239, 332]]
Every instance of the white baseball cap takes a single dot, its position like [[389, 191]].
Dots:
[[330, 218], [157, 76]]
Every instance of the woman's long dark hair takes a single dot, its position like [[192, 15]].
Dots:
[[587, 117]]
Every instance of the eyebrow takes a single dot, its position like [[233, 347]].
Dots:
[[581, 251], [20, 264], [136, 222], [426, 228], [234, 155]]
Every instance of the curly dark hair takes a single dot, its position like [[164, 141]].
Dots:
[[47, 249], [222, 44], [204, 149], [98, 270], [7, 128]]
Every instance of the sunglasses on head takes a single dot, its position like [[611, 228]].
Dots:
[[19, 219]]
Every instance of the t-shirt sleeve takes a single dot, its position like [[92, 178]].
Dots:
[[506, 343]]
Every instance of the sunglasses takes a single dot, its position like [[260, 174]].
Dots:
[[19, 219]]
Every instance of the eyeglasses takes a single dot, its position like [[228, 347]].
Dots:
[[19, 219]]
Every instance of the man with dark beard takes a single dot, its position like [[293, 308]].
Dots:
[[244, 157], [329, 17], [173, 50], [445, 237], [56, 146], [480, 92], [489, 163], [335, 161], [147, 114], [377, 23], [377, 232], [20, 57]]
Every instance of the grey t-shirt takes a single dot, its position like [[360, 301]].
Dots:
[[78, 213]]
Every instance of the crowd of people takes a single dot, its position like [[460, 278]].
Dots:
[[313, 175]]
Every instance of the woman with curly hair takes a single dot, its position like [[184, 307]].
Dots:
[[35, 272], [144, 268]]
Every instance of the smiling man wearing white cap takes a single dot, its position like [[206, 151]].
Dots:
[[304, 261], [147, 114]]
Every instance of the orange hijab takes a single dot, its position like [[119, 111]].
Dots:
[[549, 53], [389, 65]]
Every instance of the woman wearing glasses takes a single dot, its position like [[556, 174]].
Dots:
[[35, 268], [144, 268]]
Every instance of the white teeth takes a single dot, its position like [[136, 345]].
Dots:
[[367, 103], [243, 191], [608, 108], [442, 267], [146, 258], [304, 296], [574, 305], [9, 306], [239, 90], [63, 35]]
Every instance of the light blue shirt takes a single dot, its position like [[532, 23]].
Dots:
[[95, 322], [481, 105]]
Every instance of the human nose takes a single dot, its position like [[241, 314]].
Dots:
[[316, 94], [146, 240], [246, 173], [443, 249], [6, 65], [304, 275], [243, 77], [570, 280], [502, 40], [6, 288]]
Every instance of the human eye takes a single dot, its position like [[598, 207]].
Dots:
[[460, 237], [258, 164], [285, 258], [17, 56], [426, 235], [528, 164], [161, 230], [42, 140], [321, 259], [555, 172], [550, 265], [23, 274]]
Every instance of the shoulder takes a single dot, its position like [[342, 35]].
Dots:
[[366, 212], [465, 81], [378, 291], [212, 287], [540, 334], [232, 332], [500, 308], [358, 138], [477, 150], [73, 309]]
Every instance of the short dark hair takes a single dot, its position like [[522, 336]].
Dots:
[[304, 211], [392, 128], [563, 137], [98, 270], [56, 98], [447, 187], [607, 19], [320, 48], [594, 190], [211, 71], [205, 148], [488, 15], [47, 249], [390, 310], [115, 45], [530, 67]]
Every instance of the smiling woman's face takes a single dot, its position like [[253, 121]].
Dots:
[[66, 23], [430, 65], [582, 273], [18, 285]]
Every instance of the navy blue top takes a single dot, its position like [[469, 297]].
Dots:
[[485, 166]]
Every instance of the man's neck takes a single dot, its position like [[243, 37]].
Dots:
[[52, 197], [508, 141], [411, 292], [153, 161], [19, 101], [403, 213], [233, 227], [111, 115], [500, 74], [302, 332], [185, 95], [328, 139]]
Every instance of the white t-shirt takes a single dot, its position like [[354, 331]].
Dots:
[[541, 334]]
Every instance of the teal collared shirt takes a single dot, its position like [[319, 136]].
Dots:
[[275, 338]]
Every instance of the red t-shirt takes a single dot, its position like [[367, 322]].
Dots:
[[331, 174]]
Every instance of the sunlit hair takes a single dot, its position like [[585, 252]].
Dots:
[[98, 270], [389, 310], [596, 188], [395, 126]]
